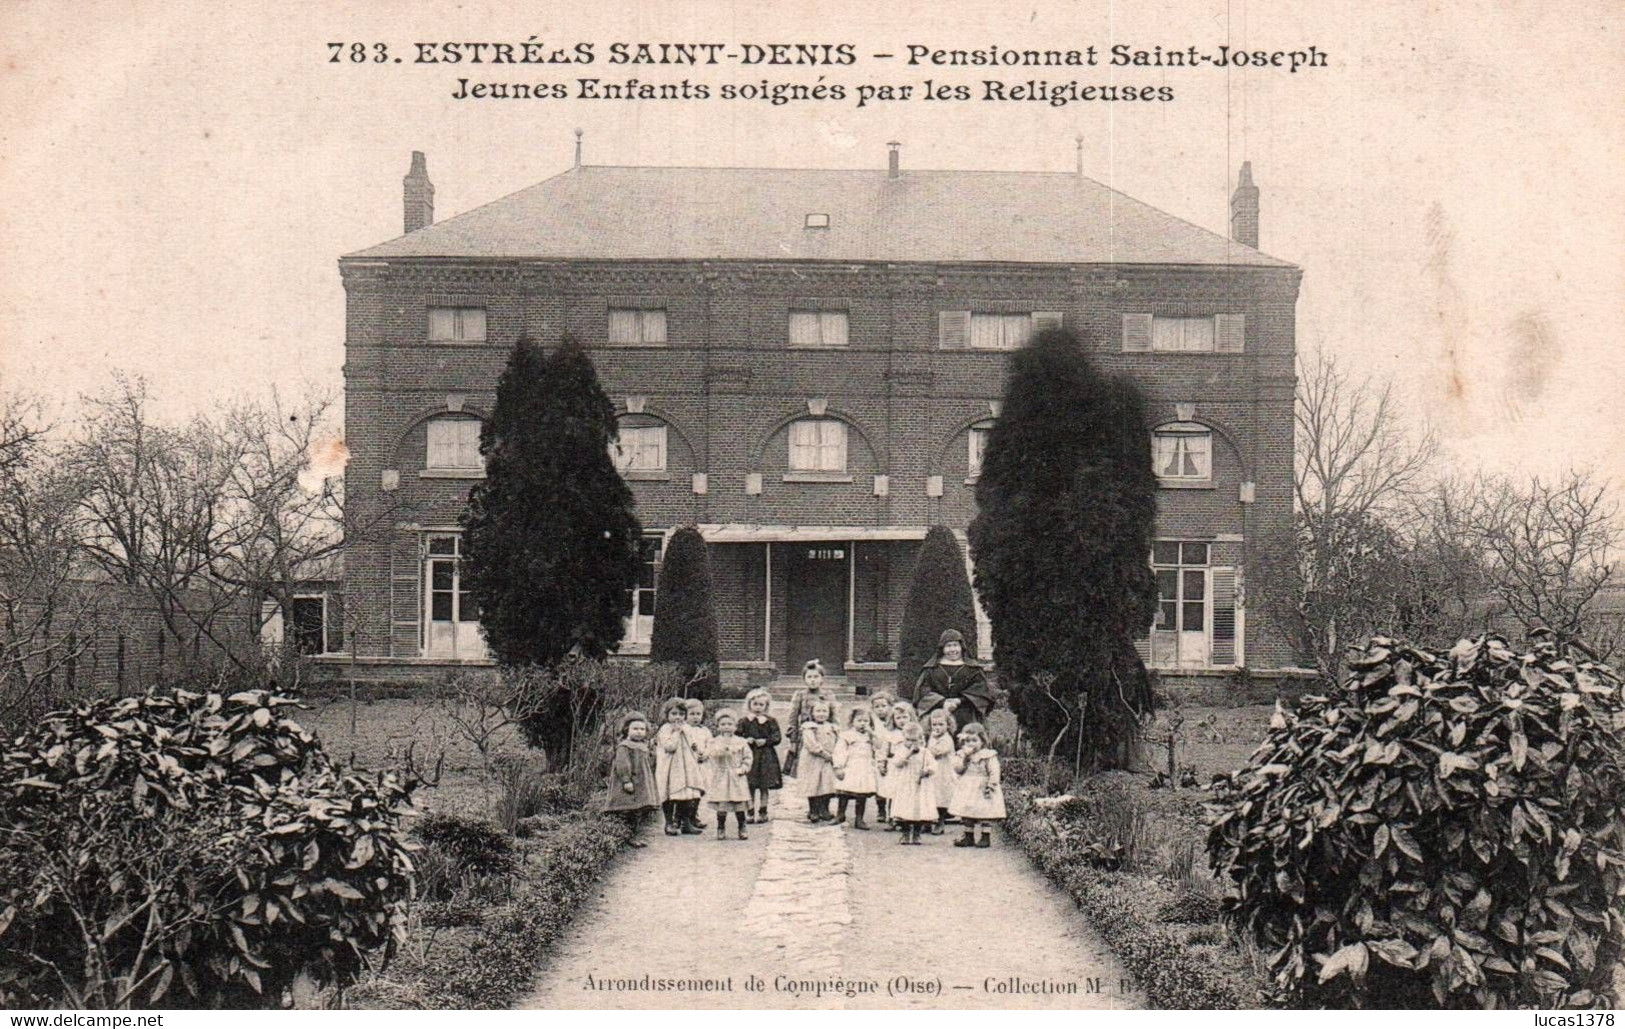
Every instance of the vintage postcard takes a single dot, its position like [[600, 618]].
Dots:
[[839, 506]]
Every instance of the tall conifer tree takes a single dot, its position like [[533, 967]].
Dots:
[[550, 534], [1062, 542]]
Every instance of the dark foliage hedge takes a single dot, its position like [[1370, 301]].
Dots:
[[475, 846], [190, 850], [1445, 829]]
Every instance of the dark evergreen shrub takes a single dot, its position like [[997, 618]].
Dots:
[[190, 850], [685, 628], [1062, 545], [550, 534], [1443, 830], [939, 597], [475, 846]]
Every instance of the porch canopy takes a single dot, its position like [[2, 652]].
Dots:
[[742, 532]]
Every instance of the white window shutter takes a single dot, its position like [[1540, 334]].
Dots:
[[1230, 331], [1136, 333], [1225, 650], [953, 329], [1142, 647], [1046, 320]]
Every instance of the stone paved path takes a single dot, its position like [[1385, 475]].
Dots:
[[828, 918]]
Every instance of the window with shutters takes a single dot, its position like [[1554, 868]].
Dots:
[[818, 328], [639, 449], [453, 446], [992, 330], [1182, 454], [457, 324], [817, 449], [635, 326], [639, 625], [977, 439], [1219, 333], [1198, 619]]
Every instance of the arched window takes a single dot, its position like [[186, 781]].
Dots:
[[454, 446], [640, 448], [818, 445], [1182, 452]]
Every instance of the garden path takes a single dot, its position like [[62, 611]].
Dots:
[[805, 913]]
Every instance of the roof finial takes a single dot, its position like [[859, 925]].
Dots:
[[578, 149], [1079, 138]]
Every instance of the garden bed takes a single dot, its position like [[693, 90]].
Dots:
[[482, 948], [1138, 874]]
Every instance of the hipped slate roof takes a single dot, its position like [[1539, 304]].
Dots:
[[634, 213]]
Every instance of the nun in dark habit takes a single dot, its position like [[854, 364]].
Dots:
[[950, 682]]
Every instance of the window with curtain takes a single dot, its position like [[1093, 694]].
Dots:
[[640, 448], [1182, 334], [454, 445], [637, 325], [990, 331], [818, 328], [457, 324], [818, 445], [1183, 451]]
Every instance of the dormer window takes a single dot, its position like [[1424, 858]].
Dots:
[[817, 221]]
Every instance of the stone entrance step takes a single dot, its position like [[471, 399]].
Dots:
[[784, 689]]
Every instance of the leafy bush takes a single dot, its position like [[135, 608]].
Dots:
[[525, 789], [1442, 831], [192, 850], [475, 846]]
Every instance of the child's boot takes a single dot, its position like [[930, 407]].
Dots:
[[967, 840], [722, 825], [688, 817], [987, 838], [942, 820], [739, 817], [840, 818], [902, 833], [669, 811], [857, 821], [761, 815]]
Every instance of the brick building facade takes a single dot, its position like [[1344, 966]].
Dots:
[[805, 363]]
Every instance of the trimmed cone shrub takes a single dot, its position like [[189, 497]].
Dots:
[[685, 629], [1442, 831], [939, 597], [190, 850]]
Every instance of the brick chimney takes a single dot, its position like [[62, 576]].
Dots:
[[1244, 208], [418, 194], [892, 171]]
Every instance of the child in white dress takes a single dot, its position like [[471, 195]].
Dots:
[[855, 766], [727, 764], [939, 741], [978, 799], [817, 771], [914, 798]]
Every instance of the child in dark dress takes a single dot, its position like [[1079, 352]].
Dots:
[[761, 731], [631, 774]]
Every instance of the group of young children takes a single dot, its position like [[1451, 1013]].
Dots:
[[920, 775]]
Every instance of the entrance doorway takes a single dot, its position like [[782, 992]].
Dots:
[[817, 575]]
